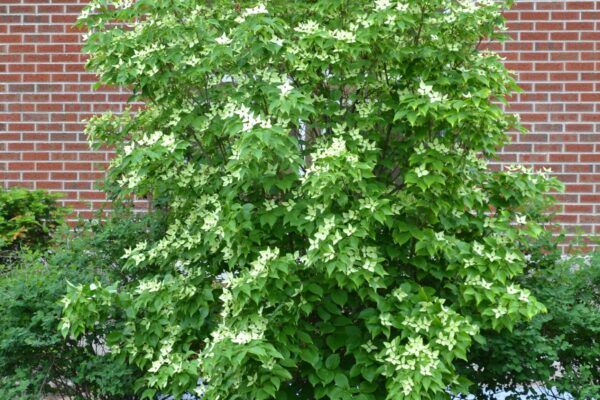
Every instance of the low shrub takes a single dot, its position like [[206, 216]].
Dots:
[[27, 219], [35, 359], [557, 352]]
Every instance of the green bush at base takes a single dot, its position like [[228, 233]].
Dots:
[[35, 359], [559, 349]]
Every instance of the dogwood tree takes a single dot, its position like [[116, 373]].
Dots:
[[334, 230]]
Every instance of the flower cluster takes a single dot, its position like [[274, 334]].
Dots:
[[427, 91]]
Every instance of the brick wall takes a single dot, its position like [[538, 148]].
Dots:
[[555, 53], [45, 95]]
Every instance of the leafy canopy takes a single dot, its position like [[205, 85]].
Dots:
[[334, 231]]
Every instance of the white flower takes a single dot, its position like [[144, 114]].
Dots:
[[447, 341], [407, 386], [369, 346], [421, 172], [500, 311], [512, 289], [427, 91], [128, 149], [424, 89], [402, 7], [309, 27], [399, 294], [285, 88], [521, 219], [344, 36], [381, 5], [277, 40], [492, 256], [386, 319], [259, 9], [368, 204], [349, 230], [223, 40], [270, 205], [511, 257], [252, 379], [242, 338]]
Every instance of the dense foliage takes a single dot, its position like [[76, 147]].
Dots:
[[35, 360], [27, 219], [557, 352], [334, 231]]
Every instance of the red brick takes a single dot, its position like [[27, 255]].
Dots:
[[555, 117], [590, 35], [562, 15], [579, 107], [534, 16], [549, 26], [559, 56], [550, 66], [551, 5], [579, 86], [590, 178], [594, 158], [580, 5], [579, 46], [590, 198], [579, 148], [590, 117], [564, 36], [533, 36], [578, 209], [577, 188]]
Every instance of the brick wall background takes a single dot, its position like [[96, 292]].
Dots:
[[555, 53], [45, 95]]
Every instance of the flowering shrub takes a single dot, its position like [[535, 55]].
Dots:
[[334, 231]]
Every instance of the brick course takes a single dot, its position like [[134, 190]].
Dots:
[[45, 96]]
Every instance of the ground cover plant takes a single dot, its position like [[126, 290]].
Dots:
[[333, 229]]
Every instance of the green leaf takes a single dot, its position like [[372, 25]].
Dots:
[[339, 296], [332, 361]]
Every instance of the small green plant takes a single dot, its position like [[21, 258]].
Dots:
[[334, 231], [27, 219]]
